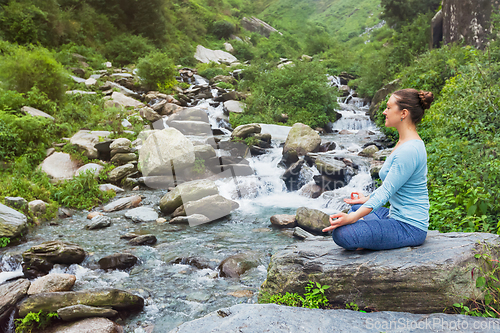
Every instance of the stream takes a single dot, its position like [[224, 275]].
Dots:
[[176, 293]]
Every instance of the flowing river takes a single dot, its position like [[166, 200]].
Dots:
[[176, 292]]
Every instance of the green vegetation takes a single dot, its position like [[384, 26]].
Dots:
[[353, 306], [157, 71], [314, 298], [4, 241], [199, 166], [33, 321]]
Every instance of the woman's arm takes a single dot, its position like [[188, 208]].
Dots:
[[343, 218]]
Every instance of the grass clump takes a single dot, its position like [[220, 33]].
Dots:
[[314, 298], [34, 320]]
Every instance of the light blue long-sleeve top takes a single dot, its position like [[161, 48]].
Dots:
[[404, 176]]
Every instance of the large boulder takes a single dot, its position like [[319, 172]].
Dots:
[[121, 172], [234, 106], [12, 223], [422, 279], [191, 127], [85, 141], [118, 261], [10, 294], [35, 112], [236, 265], [380, 95], [206, 56], [125, 101], [312, 220], [284, 221], [165, 150], [40, 259], [80, 311], [244, 131], [185, 192], [51, 283], [213, 207], [88, 325], [93, 168], [51, 302], [59, 166], [284, 319], [254, 24], [300, 140]]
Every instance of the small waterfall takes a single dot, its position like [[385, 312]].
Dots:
[[10, 269]]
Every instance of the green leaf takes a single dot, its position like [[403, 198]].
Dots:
[[480, 282]]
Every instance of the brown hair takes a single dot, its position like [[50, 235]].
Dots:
[[414, 101]]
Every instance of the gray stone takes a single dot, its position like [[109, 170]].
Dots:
[[189, 114], [244, 131], [149, 114], [94, 168], [369, 151], [191, 127], [35, 112], [256, 25], [300, 140], [204, 152], [311, 190], [329, 166], [88, 325], [37, 207], [99, 222], [192, 220], [170, 108], [59, 166], [85, 142], [312, 220], [206, 55], [185, 192], [164, 150], [12, 223], [120, 145], [51, 302], [90, 82], [382, 155], [213, 207], [80, 311], [123, 203], [380, 96], [234, 106], [301, 234], [118, 260], [375, 167], [142, 214], [236, 265], [123, 158], [110, 187], [16, 202], [422, 279], [125, 101], [274, 318], [51, 283], [121, 172], [283, 220], [10, 294], [143, 240]]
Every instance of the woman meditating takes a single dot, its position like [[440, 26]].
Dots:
[[368, 225]]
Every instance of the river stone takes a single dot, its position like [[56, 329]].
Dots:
[[170, 108], [204, 152], [185, 192], [188, 127], [121, 172], [300, 140], [142, 214], [120, 145], [40, 259], [10, 294], [79, 311], [375, 167], [236, 265], [234, 106], [35, 112], [94, 168], [123, 158], [99, 222], [369, 151], [311, 190], [123, 203], [285, 319], [149, 114], [125, 101], [59, 166], [422, 279], [91, 215], [213, 207], [85, 142], [88, 325], [143, 240], [218, 56], [51, 283], [164, 150], [312, 220], [51, 302], [283, 220], [16, 202], [382, 155], [118, 261], [329, 166], [301, 234], [12, 223], [244, 131], [192, 220], [110, 187]]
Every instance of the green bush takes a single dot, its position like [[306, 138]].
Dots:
[[93, 58], [33, 321], [242, 51], [225, 85], [211, 70], [156, 70], [23, 68], [222, 29], [127, 49]]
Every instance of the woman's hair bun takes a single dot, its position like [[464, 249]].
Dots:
[[426, 99]]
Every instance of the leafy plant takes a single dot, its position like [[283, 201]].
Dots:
[[34, 320], [4, 241], [225, 85], [353, 306], [157, 71], [314, 297], [127, 49], [199, 166]]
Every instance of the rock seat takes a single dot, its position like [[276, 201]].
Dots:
[[422, 279]]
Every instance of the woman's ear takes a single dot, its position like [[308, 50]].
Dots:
[[405, 113]]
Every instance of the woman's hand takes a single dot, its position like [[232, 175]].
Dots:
[[360, 199], [340, 220]]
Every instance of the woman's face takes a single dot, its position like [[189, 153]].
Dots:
[[392, 113]]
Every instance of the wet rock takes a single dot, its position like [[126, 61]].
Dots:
[[51, 302], [129, 235], [244, 131], [170, 108], [165, 150], [235, 169], [149, 114], [301, 234], [204, 152], [80, 311], [143, 240], [10, 294], [300, 140], [433, 276], [283, 220], [59, 166], [311, 190], [369, 151], [63, 212], [327, 146], [328, 183], [284, 319], [185, 192], [40, 259], [110, 187], [123, 203], [329, 166], [188, 127], [192, 220], [35, 112], [236, 265], [118, 261], [142, 214], [125, 101], [52, 283], [375, 167], [93, 168], [16, 203], [195, 262], [189, 114], [12, 223], [312, 220], [213, 207], [157, 182], [234, 106], [123, 158], [121, 172], [99, 222], [91, 215], [292, 175], [85, 142], [255, 151]]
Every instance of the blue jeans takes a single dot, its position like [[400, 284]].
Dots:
[[377, 232]]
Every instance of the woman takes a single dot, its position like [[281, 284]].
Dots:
[[368, 225]]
